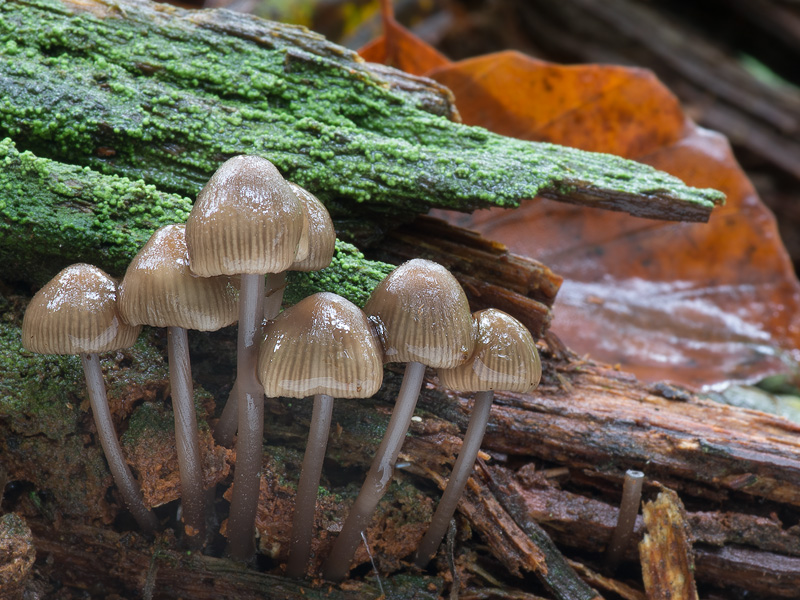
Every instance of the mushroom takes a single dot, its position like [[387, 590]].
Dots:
[[626, 519], [505, 358], [76, 313], [322, 346], [246, 221], [314, 252], [159, 290], [423, 318]]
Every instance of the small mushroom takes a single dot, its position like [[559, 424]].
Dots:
[[505, 358], [76, 313], [314, 252], [422, 317], [159, 290], [626, 519], [322, 346], [246, 221]]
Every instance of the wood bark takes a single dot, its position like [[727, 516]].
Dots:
[[565, 474]]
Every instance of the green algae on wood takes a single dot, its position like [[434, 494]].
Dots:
[[53, 214], [165, 95]]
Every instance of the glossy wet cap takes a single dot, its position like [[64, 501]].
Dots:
[[318, 240], [422, 314], [160, 290], [245, 220], [76, 312], [321, 345], [505, 357]]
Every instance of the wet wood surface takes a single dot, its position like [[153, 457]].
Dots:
[[547, 493]]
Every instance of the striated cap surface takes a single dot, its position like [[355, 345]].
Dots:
[[318, 240], [76, 312], [160, 290], [422, 314], [505, 357], [245, 220], [321, 345]]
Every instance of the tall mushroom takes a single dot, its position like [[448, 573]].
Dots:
[[159, 290], [314, 252], [76, 313], [505, 358], [247, 221], [322, 346], [423, 318]]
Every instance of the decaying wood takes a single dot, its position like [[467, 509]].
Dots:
[[586, 425], [16, 556], [122, 564], [284, 93], [666, 550]]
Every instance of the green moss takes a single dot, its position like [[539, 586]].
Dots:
[[38, 394], [148, 420], [144, 367], [50, 211], [166, 98], [350, 275]]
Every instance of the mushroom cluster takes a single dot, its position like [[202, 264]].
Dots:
[[228, 263]]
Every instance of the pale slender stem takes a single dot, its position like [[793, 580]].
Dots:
[[187, 441], [127, 485], [462, 469], [379, 476], [626, 520], [225, 430], [273, 295], [250, 399], [308, 486]]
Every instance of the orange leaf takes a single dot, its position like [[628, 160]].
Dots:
[[401, 49], [695, 304]]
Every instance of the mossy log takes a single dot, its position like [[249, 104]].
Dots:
[[157, 93]]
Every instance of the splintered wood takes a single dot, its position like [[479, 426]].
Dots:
[[666, 550]]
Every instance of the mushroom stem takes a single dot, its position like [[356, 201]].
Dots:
[[186, 437], [250, 400], [626, 520], [380, 474], [225, 430], [308, 486], [127, 485], [462, 469]]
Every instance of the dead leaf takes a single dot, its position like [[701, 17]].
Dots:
[[695, 304]]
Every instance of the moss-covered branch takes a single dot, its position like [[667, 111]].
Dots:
[[53, 214], [165, 95]]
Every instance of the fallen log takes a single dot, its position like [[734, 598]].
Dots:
[[157, 93]]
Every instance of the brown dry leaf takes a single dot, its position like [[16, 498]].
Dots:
[[697, 304]]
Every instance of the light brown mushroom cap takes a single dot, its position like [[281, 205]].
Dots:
[[322, 345], [245, 220], [160, 290], [76, 312], [505, 357], [318, 240], [422, 314]]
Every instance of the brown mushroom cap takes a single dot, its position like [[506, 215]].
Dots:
[[505, 357], [159, 289], [422, 315], [318, 239], [245, 220], [76, 312], [321, 345]]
